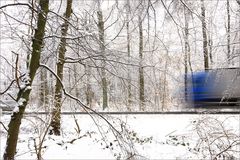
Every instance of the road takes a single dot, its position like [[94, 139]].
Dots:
[[138, 113]]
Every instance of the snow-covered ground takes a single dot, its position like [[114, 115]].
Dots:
[[139, 136]]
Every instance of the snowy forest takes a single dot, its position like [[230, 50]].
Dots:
[[111, 56]]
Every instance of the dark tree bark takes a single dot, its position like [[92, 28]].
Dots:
[[24, 92], [186, 48], [102, 50], [238, 2], [129, 101], [76, 81], [56, 113], [228, 32], [204, 34], [141, 75]]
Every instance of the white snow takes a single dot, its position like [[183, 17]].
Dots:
[[148, 136], [16, 109], [21, 101], [28, 88]]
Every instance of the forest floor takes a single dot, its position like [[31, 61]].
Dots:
[[142, 136]]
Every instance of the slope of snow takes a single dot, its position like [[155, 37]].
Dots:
[[142, 136]]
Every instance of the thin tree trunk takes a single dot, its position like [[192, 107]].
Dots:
[[186, 50], [41, 93], [164, 94], [23, 94], [75, 80], [141, 75], [210, 43], [204, 34], [228, 33], [56, 113], [89, 92], [102, 50], [129, 101], [238, 33], [44, 90]]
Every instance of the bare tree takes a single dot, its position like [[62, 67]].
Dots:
[[44, 90], [76, 80], [186, 47], [141, 75], [24, 92], [228, 32], [129, 54], [88, 71], [103, 54], [56, 113], [89, 92], [204, 35]]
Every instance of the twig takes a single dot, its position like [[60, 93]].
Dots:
[[16, 69], [3, 126]]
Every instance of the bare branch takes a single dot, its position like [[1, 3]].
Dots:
[[16, 70], [85, 107], [5, 128], [16, 4]]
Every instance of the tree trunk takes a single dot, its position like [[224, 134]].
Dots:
[[228, 33], [76, 81], [41, 90], [141, 75], [210, 43], [204, 34], [23, 94], [238, 33], [44, 90], [56, 113], [164, 93], [186, 50], [102, 50], [89, 92], [129, 101]]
